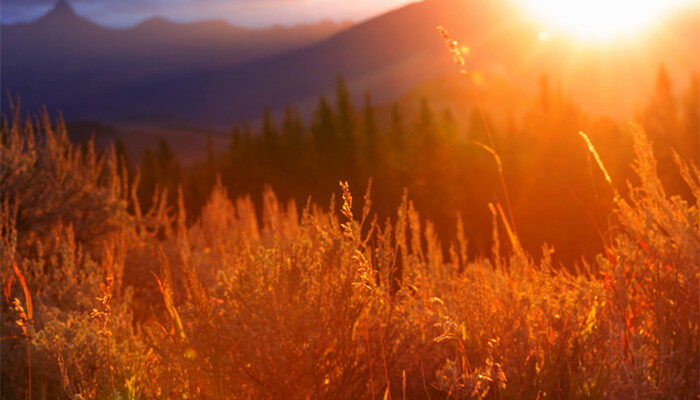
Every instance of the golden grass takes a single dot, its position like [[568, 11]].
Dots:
[[312, 304]]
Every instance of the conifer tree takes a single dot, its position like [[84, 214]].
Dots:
[[323, 130], [371, 139], [269, 151], [247, 145], [661, 122], [397, 133], [663, 91], [691, 120], [346, 147], [344, 108], [425, 129], [293, 132], [660, 116], [233, 155]]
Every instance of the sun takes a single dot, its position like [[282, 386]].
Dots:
[[599, 19]]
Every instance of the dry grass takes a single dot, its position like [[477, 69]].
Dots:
[[309, 304]]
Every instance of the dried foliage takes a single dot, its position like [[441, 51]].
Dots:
[[103, 301]]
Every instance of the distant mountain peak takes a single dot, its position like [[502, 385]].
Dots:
[[63, 7], [62, 10]]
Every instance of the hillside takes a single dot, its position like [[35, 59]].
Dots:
[[392, 53], [63, 60]]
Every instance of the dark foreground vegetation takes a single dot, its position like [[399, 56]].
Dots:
[[103, 298]]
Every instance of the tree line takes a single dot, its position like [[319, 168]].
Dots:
[[551, 189]]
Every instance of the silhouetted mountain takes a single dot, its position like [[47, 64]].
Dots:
[[63, 59], [392, 53], [61, 14]]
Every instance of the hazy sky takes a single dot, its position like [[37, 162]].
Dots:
[[241, 12]]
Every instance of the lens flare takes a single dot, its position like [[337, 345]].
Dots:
[[600, 19]]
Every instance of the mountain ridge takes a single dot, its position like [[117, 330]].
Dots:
[[390, 54], [63, 11], [63, 58]]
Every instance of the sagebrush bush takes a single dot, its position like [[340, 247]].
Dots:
[[48, 180]]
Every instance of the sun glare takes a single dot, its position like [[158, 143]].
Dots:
[[599, 19]]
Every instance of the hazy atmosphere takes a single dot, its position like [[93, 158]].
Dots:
[[334, 199], [249, 13]]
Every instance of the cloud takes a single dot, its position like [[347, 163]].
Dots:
[[243, 12]]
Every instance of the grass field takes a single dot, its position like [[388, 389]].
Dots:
[[104, 300]]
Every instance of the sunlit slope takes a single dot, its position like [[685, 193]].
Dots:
[[192, 73], [392, 53]]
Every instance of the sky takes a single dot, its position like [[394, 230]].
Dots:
[[251, 13]]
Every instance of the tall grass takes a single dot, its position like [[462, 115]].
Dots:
[[101, 300]]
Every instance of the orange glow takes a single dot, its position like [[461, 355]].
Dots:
[[599, 19]]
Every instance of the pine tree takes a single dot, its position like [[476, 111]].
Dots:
[[397, 134], [691, 120], [371, 139], [292, 136], [425, 129], [660, 116], [346, 147], [247, 146], [323, 130], [344, 108], [233, 155], [269, 151], [421, 161], [660, 120]]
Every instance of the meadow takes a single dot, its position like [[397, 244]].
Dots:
[[373, 254], [105, 299]]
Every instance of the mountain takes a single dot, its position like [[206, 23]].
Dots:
[[394, 52], [63, 59]]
